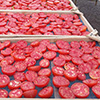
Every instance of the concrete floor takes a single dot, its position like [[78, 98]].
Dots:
[[91, 12]]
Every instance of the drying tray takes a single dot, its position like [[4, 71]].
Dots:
[[81, 16], [74, 7], [55, 95]]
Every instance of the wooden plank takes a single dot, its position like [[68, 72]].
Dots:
[[52, 39], [35, 11], [73, 5], [40, 99], [38, 11], [90, 28], [41, 36]]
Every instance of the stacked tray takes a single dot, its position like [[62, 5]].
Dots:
[[45, 23], [32, 22], [41, 23], [38, 5], [52, 40]]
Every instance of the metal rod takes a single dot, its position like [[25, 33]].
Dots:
[[75, 2], [96, 2]]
